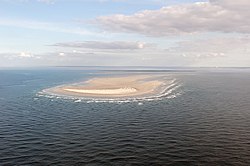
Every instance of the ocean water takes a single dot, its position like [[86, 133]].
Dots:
[[202, 119]]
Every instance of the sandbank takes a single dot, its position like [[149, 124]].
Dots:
[[119, 86]]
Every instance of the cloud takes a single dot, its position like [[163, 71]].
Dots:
[[225, 16], [21, 55], [216, 44], [115, 45], [204, 55], [25, 55], [232, 4], [214, 51], [47, 1]]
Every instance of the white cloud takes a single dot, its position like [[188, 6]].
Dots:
[[47, 1], [25, 55], [61, 54], [21, 55], [225, 16], [232, 4], [115, 45], [205, 55], [215, 51], [215, 45]]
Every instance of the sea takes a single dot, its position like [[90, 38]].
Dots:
[[202, 118]]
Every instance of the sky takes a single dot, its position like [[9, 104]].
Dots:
[[167, 33]]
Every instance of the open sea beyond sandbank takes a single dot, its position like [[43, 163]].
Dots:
[[201, 119]]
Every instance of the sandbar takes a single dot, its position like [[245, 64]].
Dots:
[[115, 86]]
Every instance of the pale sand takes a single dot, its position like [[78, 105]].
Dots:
[[104, 91], [135, 85]]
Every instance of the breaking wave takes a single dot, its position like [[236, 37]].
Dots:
[[167, 91]]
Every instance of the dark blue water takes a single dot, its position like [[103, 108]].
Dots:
[[208, 123]]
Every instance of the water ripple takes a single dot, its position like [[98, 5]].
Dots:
[[205, 125]]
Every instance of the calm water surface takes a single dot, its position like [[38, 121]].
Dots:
[[205, 122]]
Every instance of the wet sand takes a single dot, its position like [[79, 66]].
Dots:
[[125, 86]]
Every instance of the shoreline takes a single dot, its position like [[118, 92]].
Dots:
[[111, 87]]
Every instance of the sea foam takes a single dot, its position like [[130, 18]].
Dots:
[[169, 89]]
